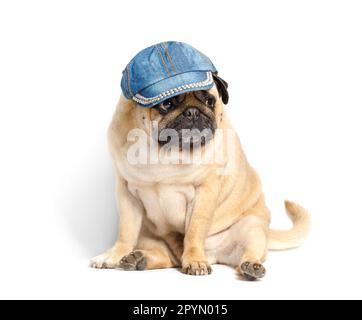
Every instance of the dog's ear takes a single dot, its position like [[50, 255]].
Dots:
[[222, 87]]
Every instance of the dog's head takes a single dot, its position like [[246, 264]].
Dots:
[[192, 116]]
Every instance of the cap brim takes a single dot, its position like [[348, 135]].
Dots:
[[173, 86]]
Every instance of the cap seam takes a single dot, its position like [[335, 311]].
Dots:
[[129, 81], [165, 47], [163, 60]]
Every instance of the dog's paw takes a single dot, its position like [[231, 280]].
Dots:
[[133, 261], [107, 260], [196, 268], [252, 271]]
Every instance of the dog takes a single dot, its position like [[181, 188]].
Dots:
[[191, 216]]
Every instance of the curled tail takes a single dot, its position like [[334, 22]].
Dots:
[[282, 240]]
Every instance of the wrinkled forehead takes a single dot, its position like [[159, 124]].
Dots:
[[193, 95], [198, 95]]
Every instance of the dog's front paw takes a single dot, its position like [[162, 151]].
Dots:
[[196, 268], [136, 260], [107, 260], [252, 271]]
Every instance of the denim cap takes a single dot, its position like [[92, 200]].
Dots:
[[166, 70]]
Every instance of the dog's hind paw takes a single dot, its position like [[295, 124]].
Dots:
[[133, 261], [252, 271]]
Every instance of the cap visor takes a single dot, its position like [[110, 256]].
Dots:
[[173, 86]]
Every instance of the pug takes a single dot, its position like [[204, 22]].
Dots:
[[191, 215]]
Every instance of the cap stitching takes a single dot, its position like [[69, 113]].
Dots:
[[163, 60], [129, 80], [145, 101], [165, 47]]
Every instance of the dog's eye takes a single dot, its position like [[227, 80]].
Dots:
[[210, 102], [164, 107], [167, 104]]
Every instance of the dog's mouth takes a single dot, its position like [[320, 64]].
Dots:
[[188, 132]]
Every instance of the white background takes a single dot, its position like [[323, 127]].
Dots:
[[295, 75]]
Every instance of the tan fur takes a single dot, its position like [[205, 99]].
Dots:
[[190, 215]]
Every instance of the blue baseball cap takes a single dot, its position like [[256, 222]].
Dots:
[[165, 70]]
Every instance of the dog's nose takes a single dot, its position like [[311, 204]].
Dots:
[[192, 113]]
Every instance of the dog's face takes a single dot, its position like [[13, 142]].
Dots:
[[190, 119], [190, 116]]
